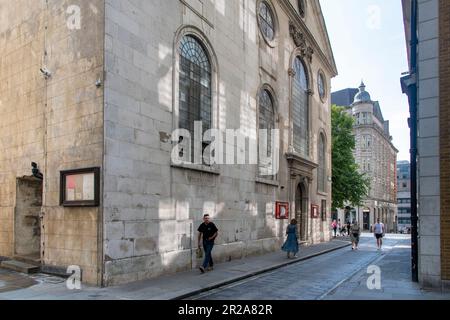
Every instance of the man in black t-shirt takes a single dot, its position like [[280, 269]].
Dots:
[[208, 231]]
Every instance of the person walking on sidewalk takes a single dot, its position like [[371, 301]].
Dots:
[[355, 233], [378, 230], [291, 244], [334, 227], [208, 231]]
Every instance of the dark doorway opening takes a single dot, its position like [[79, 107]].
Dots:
[[301, 208], [27, 221]]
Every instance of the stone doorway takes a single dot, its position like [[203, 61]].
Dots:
[[301, 208], [27, 221]]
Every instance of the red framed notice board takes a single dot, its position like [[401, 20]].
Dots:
[[315, 211], [282, 210]]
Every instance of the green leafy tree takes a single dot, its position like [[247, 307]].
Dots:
[[349, 186]]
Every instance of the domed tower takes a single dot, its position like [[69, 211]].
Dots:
[[362, 106], [362, 96]]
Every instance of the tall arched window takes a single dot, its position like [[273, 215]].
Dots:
[[195, 86], [300, 108], [266, 117], [266, 122], [322, 170]]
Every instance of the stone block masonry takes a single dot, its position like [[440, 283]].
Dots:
[[152, 209], [112, 101], [55, 122]]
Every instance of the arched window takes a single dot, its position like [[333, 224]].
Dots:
[[322, 170], [195, 86], [300, 109], [266, 21], [266, 117], [321, 86], [267, 123]]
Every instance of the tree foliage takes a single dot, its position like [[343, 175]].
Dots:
[[349, 186]]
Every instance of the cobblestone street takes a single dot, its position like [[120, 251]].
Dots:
[[340, 275], [329, 271]]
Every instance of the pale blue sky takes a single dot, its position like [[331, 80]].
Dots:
[[368, 43]]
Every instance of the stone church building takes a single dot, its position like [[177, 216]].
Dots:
[[92, 93]]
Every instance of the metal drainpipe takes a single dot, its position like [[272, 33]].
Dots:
[[413, 124]]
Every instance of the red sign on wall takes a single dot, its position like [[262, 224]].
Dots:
[[315, 211], [282, 210]]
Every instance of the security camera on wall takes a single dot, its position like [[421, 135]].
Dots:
[[47, 74]]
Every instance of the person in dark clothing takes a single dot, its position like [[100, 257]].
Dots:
[[208, 232], [349, 226], [291, 244]]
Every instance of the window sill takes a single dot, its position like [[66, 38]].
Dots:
[[197, 167], [321, 193], [269, 182]]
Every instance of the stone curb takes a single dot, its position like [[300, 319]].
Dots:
[[256, 273]]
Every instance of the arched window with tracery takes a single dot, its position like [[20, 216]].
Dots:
[[300, 102], [322, 170], [195, 101], [267, 123]]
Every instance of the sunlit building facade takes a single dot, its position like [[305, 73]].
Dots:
[[98, 103], [376, 157]]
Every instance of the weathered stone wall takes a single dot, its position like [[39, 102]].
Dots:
[[57, 123], [428, 145], [21, 97], [152, 210]]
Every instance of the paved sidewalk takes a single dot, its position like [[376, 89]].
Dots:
[[395, 267], [176, 286]]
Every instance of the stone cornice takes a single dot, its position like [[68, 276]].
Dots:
[[298, 22], [300, 165]]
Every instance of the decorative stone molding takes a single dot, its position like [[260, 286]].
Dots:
[[291, 72], [306, 51], [300, 166]]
